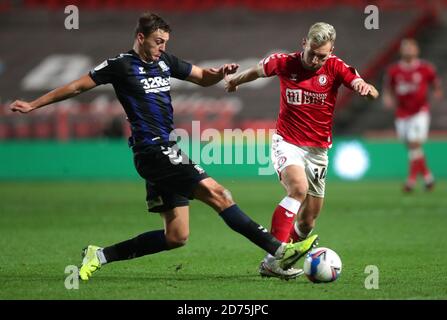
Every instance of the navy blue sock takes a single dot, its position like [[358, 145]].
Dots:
[[240, 222], [143, 244]]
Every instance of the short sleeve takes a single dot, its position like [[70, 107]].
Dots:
[[180, 69], [106, 72], [346, 73], [273, 64]]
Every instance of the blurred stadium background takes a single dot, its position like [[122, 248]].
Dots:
[[38, 54], [84, 138]]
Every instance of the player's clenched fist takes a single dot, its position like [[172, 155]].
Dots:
[[21, 106], [226, 69], [229, 68], [361, 87], [365, 89]]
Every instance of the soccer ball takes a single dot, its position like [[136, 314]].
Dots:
[[322, 265]]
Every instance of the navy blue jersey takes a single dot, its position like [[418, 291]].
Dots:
[[144, 91]]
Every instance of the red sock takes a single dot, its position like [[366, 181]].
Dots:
[[282, 221], [414, 170], [423, 168], [293, 235]]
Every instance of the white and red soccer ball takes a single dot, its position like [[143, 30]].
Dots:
[[322, 265]]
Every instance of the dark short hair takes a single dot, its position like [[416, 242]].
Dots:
[[150, 22]]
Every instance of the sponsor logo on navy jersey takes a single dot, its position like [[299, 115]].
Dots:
[[156, 84]]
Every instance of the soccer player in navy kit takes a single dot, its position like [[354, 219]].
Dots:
[[141, 80]]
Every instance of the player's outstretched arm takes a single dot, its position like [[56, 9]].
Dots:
[[70, 90], [244, 77], [210, 76]]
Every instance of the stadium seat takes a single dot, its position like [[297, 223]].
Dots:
[[258, 124], [42, 129], [4, 131], [22, 130]]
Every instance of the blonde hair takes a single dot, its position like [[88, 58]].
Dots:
[[320, 33]]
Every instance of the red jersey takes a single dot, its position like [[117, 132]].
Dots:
[[308, 97], [410, 84]]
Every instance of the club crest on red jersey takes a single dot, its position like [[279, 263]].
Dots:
[[322, 80]]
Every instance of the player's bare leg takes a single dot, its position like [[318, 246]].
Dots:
[[413, 167], [417, 166], [424, 170], [213, 194], [176, 225], [306, 218], [294, 180], [220, 199], [216, 196]]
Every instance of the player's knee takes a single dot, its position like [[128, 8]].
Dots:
[[220, 197], [298, 191], [213, 194], [177, 240]]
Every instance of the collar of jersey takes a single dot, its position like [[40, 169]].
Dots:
[[132, 52]]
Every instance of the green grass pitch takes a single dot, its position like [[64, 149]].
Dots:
[[43, 227]]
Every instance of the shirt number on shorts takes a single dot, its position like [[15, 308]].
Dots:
[[320, 173]]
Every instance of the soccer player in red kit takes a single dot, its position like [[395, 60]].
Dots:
[[309, 80], [408, 81]]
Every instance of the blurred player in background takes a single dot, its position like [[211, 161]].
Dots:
[[406, 86], [141, 80], [309, 80]]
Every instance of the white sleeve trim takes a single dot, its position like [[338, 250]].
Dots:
[[261, 70]]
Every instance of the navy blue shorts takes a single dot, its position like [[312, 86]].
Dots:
[[171, 177]]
